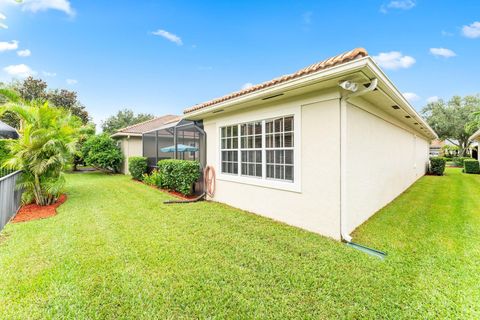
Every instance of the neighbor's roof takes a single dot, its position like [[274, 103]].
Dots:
[[475, 136], [322, 65], [139, 128]]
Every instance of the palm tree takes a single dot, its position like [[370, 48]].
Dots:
[[45, 148]]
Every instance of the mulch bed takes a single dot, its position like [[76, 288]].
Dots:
[[33, 211], [173, 193]]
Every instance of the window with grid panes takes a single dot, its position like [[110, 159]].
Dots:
[[279, 148], [251, 149], [229, 149]]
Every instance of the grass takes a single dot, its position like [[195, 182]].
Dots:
[[115, 251]]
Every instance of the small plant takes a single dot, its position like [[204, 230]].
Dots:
[[102, 152], [138, 167], [179, 175], [437, 165], [152, 179], [471, 166]]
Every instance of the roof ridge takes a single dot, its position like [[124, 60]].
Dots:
[[321, 65], [144, 122]]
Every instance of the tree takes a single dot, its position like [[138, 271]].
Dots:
[[46, 147], [452, 120], [67, 99], [122, 119], [102, 152], [33, 89], [8, 94], [87, 132]]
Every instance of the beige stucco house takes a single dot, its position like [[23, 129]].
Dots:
[[130, 138], [322, 149], [476, 138]]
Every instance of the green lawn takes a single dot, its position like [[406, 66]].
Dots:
[[115, 251]]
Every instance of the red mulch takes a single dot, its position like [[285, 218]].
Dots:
[[179, 195], [173, 193], [33, 211]]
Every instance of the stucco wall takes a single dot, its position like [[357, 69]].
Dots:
[[131, 147], [383, 159], [316, 206]]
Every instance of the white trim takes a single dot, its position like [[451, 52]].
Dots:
[[262, 115]]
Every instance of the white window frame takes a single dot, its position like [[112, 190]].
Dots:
[[262, 116]]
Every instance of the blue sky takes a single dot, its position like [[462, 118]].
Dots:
[[163, 56]]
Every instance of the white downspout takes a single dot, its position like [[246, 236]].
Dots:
[[343, 156]]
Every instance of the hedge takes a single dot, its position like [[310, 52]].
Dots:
[[137, 167], [437, 165], [178, 175], [458, 161], [471, 166]]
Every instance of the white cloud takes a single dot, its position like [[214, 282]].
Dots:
[[394, 60], [19, 70], [3, 26], [169, 36], [44, 5], [247, 85], [442, 52], [49, 74], [6, 46], [432, 99], [398, 4], [24, 53], [72, 81], [410, 96], [472, 31], [2, 16]]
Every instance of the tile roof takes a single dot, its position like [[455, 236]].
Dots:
[[148, 125], [330, 62]]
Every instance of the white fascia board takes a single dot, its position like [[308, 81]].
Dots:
[[398, 96]]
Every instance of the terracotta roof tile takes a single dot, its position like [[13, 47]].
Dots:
[[330, 62], [148, 125]]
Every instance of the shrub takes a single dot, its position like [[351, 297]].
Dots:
[[471, 166], [152, 179], [179, 175], [3, 151], [437, 165], [458, 161], [137, 166], [102, 152]]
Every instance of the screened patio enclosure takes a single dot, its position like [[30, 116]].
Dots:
[[182, 139]]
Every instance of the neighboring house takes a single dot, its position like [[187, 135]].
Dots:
[[130, 138], [436, 147], [322, 149], [476, 139]]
